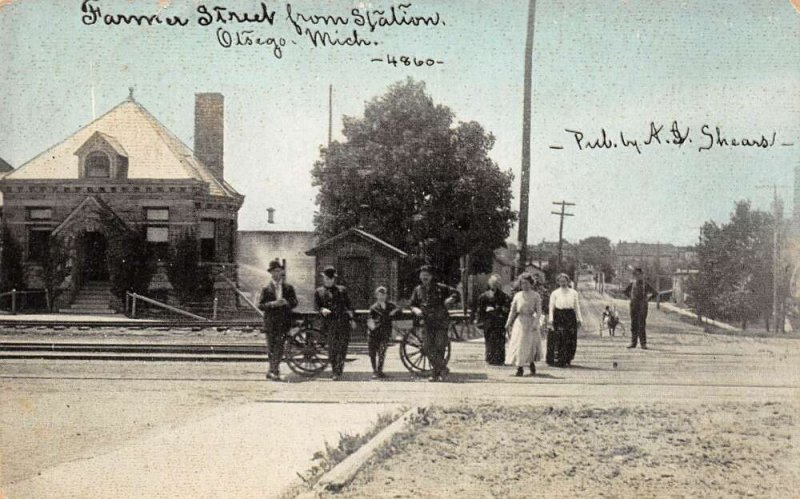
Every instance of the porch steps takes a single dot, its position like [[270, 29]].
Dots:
[[92, 299]]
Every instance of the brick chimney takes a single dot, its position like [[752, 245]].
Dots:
[[209, 131]]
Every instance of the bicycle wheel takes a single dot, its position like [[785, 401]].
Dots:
[[306, 353]]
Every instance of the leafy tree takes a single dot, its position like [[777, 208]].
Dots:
[[735, 259], [11, 272], [191, 281], [55, 268], [130, 259], [406, 174], [596, 251]]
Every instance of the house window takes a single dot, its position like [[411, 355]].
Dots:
[[157, 232], [98, 165], [33, 213], [208, 243], [38, 244]]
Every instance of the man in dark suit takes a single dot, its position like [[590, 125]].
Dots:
[[429, 302], [277, 301], [639, 292], [333, 305]]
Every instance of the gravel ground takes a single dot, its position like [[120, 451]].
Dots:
[[654, 450]]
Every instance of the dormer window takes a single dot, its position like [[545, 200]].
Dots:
[[102, 157], [98, 165]]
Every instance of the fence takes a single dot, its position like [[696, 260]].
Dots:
[[17, 299]]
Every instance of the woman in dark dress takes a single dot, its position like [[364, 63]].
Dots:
[[492, 310], [565, 317]]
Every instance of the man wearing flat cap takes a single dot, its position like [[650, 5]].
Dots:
[[429, 301], [277, 301], [639, 292], [333, 305]]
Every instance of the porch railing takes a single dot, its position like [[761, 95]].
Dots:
[[242, 295], [14, 294], [130, 306]]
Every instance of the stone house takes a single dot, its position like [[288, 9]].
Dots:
[[125, 166]]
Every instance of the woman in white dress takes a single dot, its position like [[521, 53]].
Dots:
[[525, 344]]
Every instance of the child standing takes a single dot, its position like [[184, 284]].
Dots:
[[379, 326]]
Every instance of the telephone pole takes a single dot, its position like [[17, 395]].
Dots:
[[561, 214], [777, 277], [525, 178]]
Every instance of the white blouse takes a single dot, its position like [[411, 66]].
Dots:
[[565, 299]]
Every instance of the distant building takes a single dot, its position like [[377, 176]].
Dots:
[[5, 169], [654, 258], [128, 167], [540, 254]]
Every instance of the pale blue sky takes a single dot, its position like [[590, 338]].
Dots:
[[610, 63]]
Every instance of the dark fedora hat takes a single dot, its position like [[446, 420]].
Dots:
[[274, 264], [330, 271]]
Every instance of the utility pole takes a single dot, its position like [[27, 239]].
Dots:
[[777, 296], [658, 274], [330, 115], [525, 178], [561, 214]]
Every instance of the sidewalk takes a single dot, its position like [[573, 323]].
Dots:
[[254, 450]]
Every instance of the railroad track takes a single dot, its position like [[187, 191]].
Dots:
[[141, 352], [128, 324]]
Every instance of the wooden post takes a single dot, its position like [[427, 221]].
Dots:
[[13, 302], [133, 306], [658, 291], [216, 307], [127, 301]]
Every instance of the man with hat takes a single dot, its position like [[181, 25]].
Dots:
[[277, 301], [639, 292], [429, 301], [333, 305]]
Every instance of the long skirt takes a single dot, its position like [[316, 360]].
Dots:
[[525, 345], [495, 338], [563, 340]]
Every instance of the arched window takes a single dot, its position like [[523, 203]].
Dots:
[[98, 165]]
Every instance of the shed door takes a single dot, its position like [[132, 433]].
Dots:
[[355, 273]]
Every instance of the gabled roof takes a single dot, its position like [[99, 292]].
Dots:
[[90, 202], [361, 234], [100, 136], [153, 151], [5, 167]]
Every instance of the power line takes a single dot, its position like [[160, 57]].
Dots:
[[563, 213]]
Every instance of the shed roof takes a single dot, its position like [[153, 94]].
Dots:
[[361, 234]]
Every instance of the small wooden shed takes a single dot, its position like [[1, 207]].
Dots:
[[363, 262]]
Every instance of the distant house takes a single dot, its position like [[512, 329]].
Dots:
[[127, 167], [5, 169], [664, 258], [363, 262], [258, 248]]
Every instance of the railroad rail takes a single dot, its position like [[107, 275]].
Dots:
[[229, 352]]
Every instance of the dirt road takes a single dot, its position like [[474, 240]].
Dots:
[[53, 412]]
